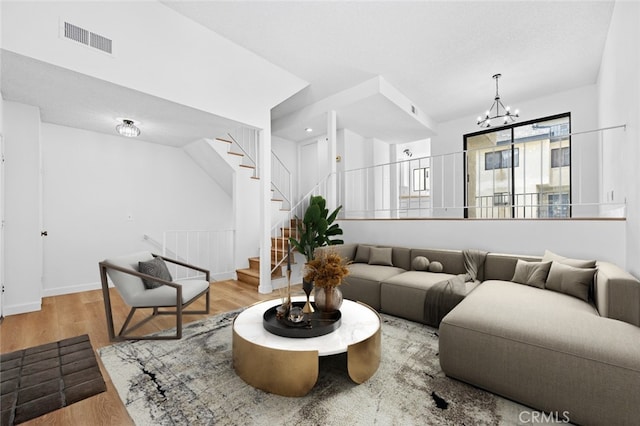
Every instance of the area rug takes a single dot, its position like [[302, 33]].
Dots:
[[192, 381], [44, 378]]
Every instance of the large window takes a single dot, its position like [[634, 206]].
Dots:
[[519, 171]]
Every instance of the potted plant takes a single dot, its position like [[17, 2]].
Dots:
[[317, 228]]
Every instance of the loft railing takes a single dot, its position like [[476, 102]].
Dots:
[[211, 249], [286, 225], [575, 183], [281, 182]]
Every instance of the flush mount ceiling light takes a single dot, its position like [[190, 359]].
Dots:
[[507, 116], [128, 129], [308, 130]]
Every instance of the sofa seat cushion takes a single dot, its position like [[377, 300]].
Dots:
[[505, 335], [404, 295], [417, 279], [373, 272], [363, 282]]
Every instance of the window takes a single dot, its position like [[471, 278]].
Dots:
[[500, 159], [560, 157], [519, 171], [420, 177]]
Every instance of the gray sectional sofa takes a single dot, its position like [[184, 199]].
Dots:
[[552, 344]]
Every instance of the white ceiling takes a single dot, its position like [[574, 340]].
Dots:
[[76, 100], [441, 55]]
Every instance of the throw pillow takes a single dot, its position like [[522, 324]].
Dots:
[[362, 254], [380, 256], [531, 273], [570, 280], [156, 268], [420, 263], [435, 267], [576, 263]]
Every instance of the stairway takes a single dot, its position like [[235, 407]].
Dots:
[[251, 275]]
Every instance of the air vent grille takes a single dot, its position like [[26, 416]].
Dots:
[[100, 42], [88, 38], [76, 33]]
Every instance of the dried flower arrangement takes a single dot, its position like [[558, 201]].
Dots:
[[326, 270]]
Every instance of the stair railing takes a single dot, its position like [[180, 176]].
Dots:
[[279, 241], [246, 140], [281, 181]]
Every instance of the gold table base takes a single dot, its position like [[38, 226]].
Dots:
[[294, 373]]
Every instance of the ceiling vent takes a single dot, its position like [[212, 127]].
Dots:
[[88, 38]]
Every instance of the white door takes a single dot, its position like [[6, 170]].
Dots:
[[1, 225]]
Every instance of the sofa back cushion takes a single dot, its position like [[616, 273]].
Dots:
[[452, 260], [346, 251], [503, 266], [401, 257]]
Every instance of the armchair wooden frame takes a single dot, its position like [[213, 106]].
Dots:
[[179, 310]]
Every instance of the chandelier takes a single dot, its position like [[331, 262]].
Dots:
[[128, 128], [507, 116]]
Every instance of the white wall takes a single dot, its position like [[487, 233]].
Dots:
[[156, 51], [447, 183], [102, 193], [619, 103], [23, 258], [598, 239]]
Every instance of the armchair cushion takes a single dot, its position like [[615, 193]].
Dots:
[[156, 268], [166, 296]]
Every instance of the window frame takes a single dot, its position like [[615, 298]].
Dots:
[[511, 128]]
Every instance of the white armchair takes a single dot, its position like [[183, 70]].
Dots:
[[135, 289]]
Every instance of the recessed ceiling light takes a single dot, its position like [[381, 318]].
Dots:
[[128, 129], [308, 130]]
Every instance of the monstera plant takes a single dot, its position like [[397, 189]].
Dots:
[[317, 228]]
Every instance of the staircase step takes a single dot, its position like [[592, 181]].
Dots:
[[223, 140], [246, 166], [279, 255], [235, 153], [254, 264], [280, 243], [249, 276], [289, 232]]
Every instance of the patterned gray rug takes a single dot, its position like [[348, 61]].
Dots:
[[192, 381]]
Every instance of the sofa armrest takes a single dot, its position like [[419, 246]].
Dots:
[[617, 294], [346, 251]]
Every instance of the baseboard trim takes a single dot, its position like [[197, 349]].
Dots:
[[222, 276], [21, 309], [58, 291]]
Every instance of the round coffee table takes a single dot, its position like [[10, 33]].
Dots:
[[289, 366]]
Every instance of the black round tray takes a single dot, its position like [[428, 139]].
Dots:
[[314, 325]]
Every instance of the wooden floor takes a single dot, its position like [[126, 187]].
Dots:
[[71, 315]]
